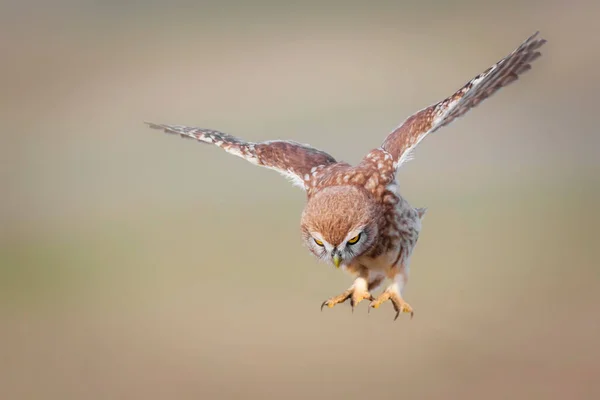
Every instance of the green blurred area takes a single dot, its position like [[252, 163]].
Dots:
[[136, 265]]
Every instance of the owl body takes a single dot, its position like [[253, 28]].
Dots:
[[355, 217], [399, 234], [397, 223]]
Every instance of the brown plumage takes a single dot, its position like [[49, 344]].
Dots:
[[354, 210], [355, 218]]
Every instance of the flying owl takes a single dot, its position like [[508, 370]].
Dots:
[[355, 217]]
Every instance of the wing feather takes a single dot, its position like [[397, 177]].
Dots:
[[407, 135], [293, 160]]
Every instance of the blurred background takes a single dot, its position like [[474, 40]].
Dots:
[[138, 265]]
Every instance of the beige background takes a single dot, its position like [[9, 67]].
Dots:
[[136, 265]]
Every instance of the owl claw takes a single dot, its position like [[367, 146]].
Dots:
[[400, 306], [327, 303], [354, 296], [337, 299], [404, 308]]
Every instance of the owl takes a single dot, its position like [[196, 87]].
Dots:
[[355, 217]]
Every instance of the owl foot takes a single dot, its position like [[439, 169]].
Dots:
[[399, 304], [355, 296]]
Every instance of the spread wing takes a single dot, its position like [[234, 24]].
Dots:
[[293, 160], [407, 136]]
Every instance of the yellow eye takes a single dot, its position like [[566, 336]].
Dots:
[[317, 241], [354, 240]]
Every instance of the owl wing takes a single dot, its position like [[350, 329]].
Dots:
[[407, 136], [293, 160]]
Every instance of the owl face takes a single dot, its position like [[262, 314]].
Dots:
[[340, 223]]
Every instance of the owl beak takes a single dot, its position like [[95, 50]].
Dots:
[[337, 260]]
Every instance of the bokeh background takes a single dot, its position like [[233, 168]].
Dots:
[[137, 265]]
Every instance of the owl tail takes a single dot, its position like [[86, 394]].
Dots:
[[421, 212]]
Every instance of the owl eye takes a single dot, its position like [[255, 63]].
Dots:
[[355, 239], [318, 242]]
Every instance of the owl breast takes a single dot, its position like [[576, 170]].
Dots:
[[399, 232]]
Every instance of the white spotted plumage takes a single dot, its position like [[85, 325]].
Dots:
[[354, 217]]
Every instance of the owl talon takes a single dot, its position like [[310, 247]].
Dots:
[[355, 297], [330, 303], [400, 306], [337, 299]]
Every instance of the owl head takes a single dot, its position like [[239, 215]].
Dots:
[[340, 223]]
